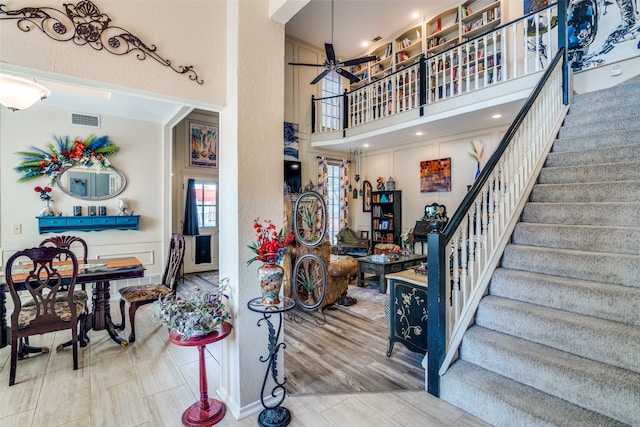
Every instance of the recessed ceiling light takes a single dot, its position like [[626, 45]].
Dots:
[[419, 133], [415, 15], [364, 44], [365, 145], [496, 116]]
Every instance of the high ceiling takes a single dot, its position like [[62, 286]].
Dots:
[[356, 21]]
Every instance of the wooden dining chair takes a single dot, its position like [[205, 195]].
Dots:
[[66, 242], [140, 295], [50, 308]]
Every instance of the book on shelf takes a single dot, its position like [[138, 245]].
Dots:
[[402, 56], [387, 51]]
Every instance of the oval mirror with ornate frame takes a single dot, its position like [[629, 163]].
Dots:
[[310, 219], [91, 183]]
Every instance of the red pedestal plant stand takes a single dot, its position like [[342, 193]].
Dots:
[[206, 411]]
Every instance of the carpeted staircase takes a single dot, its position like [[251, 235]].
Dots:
[[557, 340]]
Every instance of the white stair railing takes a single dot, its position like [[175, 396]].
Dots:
[[473, 249]]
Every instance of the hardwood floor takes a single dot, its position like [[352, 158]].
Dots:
[[119, 386], [347, 354]]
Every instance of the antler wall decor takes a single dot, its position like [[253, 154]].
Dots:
[[84, 24]]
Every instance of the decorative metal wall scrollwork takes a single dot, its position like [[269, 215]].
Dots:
[[84, 24]]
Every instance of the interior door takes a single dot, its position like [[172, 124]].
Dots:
[[201, 252]]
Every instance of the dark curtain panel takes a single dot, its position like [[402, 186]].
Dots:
[[190, 223]]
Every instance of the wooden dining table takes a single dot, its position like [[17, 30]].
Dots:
[[99, 273]]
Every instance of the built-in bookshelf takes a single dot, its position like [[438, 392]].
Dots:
[[386, 216], [443, 31], [432, 36], [409, 46], [479, 16]]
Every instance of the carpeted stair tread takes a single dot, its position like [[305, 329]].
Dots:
[[620, 153], [623, 171], [602, 300], [619, 269], [605, 126], [603, 112], [504, 402], [608, 97], [580, 237], [615, 343], [606, 139], [581, 381], [617, 214], [610, 191]]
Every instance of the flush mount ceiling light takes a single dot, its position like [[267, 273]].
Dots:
[[17, 93]]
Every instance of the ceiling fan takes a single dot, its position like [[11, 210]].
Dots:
[[331, 63]]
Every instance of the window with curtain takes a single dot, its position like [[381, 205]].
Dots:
[[206, 199], [333, 201], [333, 181], [331, 110]]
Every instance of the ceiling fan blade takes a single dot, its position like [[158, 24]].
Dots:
[[344, 73], [358, 60], [306, 65], [331, 54], [320, 76]]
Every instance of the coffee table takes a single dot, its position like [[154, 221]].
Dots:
[[378, 270]]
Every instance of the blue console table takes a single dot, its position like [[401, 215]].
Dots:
[[58, 224]]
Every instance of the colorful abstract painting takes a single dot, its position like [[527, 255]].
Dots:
[[435, 175], [204, 145], [290, 141]]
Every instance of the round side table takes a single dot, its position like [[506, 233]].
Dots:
[[274, 415], [206, 411]]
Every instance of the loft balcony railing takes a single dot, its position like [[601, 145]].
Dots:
[[511, 51]]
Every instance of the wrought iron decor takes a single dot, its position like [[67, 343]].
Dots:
[[84, 24]]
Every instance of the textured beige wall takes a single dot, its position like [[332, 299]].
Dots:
[[185, 32]]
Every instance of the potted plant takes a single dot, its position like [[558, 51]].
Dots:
[[269, 248], [197, 315]]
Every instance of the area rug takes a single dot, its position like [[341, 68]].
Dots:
[[370, 302]]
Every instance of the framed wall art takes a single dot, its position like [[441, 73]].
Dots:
[[366, 196], [435, 175], [203, 147], [290, 141]]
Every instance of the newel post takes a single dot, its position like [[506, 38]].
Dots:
[[436, 309]]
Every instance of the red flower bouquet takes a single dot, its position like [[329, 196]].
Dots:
[[44, 193], [271, 245]]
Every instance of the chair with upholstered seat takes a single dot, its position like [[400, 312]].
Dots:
[[140, 295], [50, 308], [349, 243]]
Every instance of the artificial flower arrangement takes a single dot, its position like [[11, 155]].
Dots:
[[64, 154], [198, 315], [271, 244], [44, 193], [407, 237], [476, 150]]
